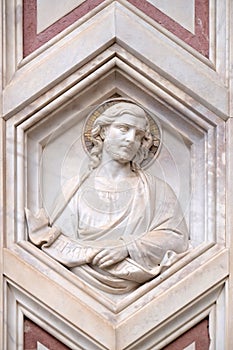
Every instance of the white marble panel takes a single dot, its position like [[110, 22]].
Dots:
[[191, 346], [48, 12], [41, 347], [182, 11]]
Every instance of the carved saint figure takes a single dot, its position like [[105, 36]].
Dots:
[[125, 225]]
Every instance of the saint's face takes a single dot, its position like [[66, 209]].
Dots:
[[123, 137]]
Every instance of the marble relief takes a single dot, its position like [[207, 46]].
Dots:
[[103, 259], [124, 225]]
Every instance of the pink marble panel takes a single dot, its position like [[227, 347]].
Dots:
[[34, 334], [198, 334]]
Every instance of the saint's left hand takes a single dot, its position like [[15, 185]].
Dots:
[[110, 256]]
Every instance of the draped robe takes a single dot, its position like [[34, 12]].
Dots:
[[141, 212]]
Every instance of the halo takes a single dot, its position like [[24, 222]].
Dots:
[[155, 129]]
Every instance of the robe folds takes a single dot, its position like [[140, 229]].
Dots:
[[141, 212]]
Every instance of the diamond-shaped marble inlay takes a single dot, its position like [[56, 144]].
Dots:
[[191, 347], [41, 346], [182, 11], [47, 13]]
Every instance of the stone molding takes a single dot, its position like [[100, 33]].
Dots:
[[121, 20]]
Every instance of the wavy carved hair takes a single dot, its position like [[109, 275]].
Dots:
[[106, 119]]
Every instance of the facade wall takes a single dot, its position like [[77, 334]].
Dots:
[[57, 63]]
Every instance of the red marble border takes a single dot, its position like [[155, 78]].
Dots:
[[198, 334], [32, 40], [199, 41], [33, 334]]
